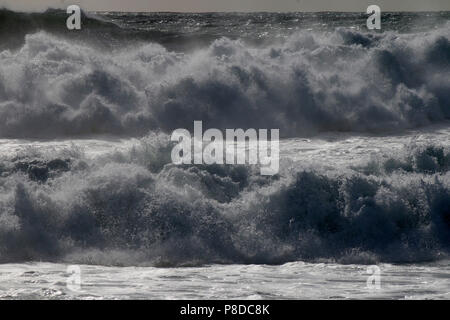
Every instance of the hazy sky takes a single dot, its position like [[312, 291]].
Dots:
[[231, 5]]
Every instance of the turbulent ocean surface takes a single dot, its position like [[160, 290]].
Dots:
[[86, 176]]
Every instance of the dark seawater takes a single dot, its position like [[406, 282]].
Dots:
[[139, 76], [183, 31], [260, 27]]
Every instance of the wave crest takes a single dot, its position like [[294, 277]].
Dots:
[[135, 212], [310, 83]]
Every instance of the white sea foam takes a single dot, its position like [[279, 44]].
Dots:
[[346, 197], [310, 82], [358, 199]]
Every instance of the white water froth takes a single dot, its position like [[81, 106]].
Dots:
[[311, 82], [290, 281]]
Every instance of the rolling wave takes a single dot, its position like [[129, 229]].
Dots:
[[134, 207], [309, 83]]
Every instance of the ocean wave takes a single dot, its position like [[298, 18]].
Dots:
[[97, 30], [122, 209], [309, 83], [15, 26]]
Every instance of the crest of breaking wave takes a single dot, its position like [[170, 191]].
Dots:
[[134, 207], [58, 85]]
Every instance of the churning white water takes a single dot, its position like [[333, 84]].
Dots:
[[294, 280], [86, 176], [297, 280]]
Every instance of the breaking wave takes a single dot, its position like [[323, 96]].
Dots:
[[53, 85], [134, 207]]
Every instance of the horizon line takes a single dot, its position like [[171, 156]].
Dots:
[[231, 11]]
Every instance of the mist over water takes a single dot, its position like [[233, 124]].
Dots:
[[125, 78]]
